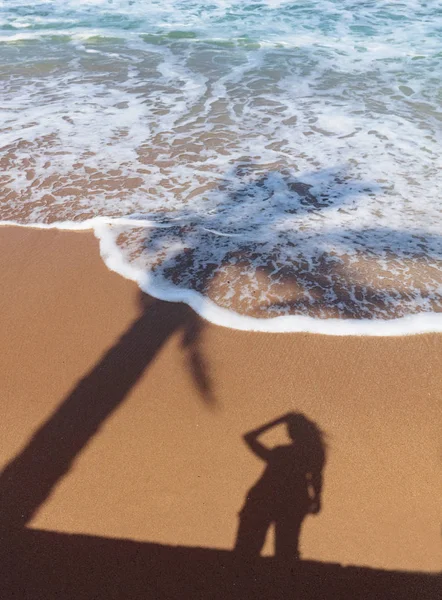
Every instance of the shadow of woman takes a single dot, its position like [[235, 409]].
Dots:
[[288, 490]]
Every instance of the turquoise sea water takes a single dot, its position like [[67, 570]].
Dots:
[[254, 159]]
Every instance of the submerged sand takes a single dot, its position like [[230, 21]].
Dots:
[[138, 408]]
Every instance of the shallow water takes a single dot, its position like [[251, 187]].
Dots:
[[256, 160]]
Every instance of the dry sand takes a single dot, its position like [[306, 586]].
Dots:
[[134, 438]]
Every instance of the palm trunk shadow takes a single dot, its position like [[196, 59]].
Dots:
[[27, 481]]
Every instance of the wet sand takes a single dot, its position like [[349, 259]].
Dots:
[[123, 417]]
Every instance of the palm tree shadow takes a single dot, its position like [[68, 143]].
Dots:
[[29, 478], [124, 569], [27, 481]]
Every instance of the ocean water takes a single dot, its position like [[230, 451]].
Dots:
[[274, 164]]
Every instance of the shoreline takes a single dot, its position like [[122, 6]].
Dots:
[[414, 324], [166, 462]]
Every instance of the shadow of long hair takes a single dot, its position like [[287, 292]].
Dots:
[[288, 490]]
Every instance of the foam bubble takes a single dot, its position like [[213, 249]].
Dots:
[[276, 166]]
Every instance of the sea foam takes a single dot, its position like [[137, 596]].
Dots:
[[274, 165]]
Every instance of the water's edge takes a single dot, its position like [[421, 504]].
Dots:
[[410, 325]]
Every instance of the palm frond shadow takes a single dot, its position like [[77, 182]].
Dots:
[[227, 242]]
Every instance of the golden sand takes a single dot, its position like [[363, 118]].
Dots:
[[123, 416]]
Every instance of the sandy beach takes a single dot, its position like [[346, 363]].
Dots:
[[123, 416]]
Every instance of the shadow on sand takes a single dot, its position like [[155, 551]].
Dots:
[[42, 565], [47, 565], [27, 481], [288, 490]]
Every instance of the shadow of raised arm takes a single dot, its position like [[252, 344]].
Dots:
[[251, 438]]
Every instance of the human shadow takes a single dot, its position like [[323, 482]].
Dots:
[[27, 481], [30, 477], [288, 490]]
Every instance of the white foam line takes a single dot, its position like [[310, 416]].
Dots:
[[207, 309], [220, 233], [63, 225], [91, 224]]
